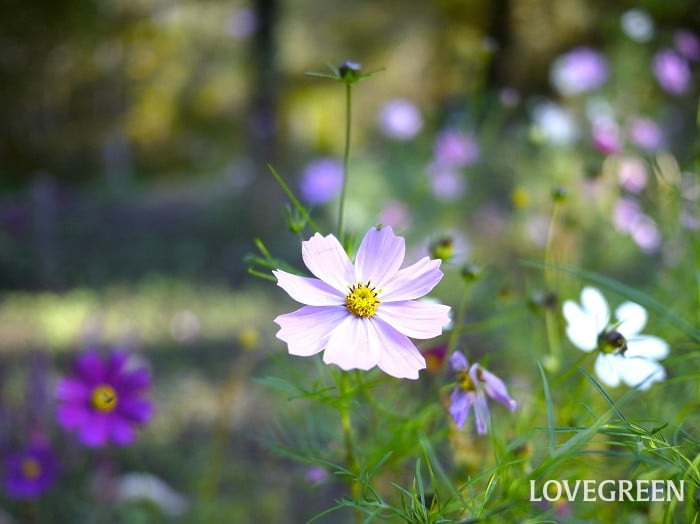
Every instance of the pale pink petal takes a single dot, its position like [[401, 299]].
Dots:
[[607, 368], [647, 346], [415, 319], [309, 291], [327, 260], [352, 345], [413, 281], [379, 256], [632, 318], [307, 330], [398, 356]]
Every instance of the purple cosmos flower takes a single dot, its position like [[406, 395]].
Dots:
[[453, 148], [400, 119], [578, 71], [103, 401], [30, 472], [688, 44], [321, 180], [474, 383], [362, 314], [638, 25], [672, 71], [446, 183]]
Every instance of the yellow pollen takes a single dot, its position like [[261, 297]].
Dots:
[[465, 381], [104, 398], [362, 300], [31, 468]]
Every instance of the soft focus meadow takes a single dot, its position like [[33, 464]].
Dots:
[[347, 262]]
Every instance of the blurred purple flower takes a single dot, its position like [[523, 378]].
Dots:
[[672, 71], [606, 138], [626, 213], [447, 184], [453, 148], [474, 384], [30, 472], [646, 134], [578, 71], [321, 180], [632, 174], [242, 23], [400, 119], [103, 401], [646, 234], [688, 44], [316, 475]]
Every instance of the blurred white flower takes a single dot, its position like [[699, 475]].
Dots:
[[400, 119], [556, 124], [638, 25], [624, 354], [148, 487]]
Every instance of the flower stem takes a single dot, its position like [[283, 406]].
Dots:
[[452, 341], [553, 362], [351, 459], [346, 158]]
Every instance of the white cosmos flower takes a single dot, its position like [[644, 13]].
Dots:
[[624, 354]]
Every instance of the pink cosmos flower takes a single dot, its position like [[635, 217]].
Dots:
[[475, 383], [103, 401], [361, 315]]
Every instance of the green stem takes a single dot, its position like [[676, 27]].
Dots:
[[554, 360], [346, 422], [452, 341], [346, 158]]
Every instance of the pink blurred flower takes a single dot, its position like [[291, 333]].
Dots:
[[446, 183], [632, 174], [626, 213], [361, 315], [606, 138], [453, 148], [646, 234], [400, 119], [396, 215], [672, 71]]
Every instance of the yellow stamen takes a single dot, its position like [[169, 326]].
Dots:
[[362, 300], [104, 398], [465, 381], [31, 468]]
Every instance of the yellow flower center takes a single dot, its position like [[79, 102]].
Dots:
[[104, 398], [465, 380], [31, 468], [362, 300]]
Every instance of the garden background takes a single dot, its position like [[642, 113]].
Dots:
[[135, 140]]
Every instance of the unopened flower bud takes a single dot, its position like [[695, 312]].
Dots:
[[442, 248], [542, 300], [471, 272], [559, 194], [349, 71]]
